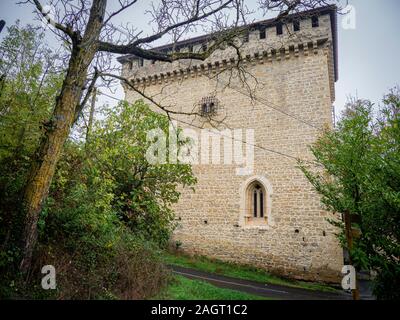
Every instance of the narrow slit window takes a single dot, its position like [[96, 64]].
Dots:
[[279, 29], [296, 25], [263, 34], [315, 22], [261, 204]]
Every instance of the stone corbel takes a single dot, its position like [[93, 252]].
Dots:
[[182, 73], [253, 59], [327, 49], [287, 53], [168, 77], [315, 47], [202, 69], [269, 55], [214, 67], [208, 68], [305, 49], [278, 54], [260, 57], [296, 50]]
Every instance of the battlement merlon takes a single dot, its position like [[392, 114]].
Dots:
[[306, 32]]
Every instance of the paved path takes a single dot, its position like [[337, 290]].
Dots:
[[260, 289]]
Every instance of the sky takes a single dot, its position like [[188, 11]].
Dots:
[[369, 63]]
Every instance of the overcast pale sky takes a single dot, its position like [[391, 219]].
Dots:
[[369, 63]]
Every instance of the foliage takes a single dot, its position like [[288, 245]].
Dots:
[[28, 85], [143, 193], [108, 210], [359, 172]]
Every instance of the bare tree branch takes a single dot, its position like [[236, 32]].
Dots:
[[124, 6], [66, 29], [79, 108], [196, 17]]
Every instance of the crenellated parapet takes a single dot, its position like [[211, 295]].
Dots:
[[165, 73], [265, 42]]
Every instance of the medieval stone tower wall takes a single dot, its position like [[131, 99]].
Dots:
[[295, 72]]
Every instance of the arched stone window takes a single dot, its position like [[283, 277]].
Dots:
[[256, 200], [256, 203]]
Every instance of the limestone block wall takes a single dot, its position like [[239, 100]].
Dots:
[[294, 94]]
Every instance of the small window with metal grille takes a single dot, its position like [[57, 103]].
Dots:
[[208, 106]]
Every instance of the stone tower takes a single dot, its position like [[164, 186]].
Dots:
[[257, 209]]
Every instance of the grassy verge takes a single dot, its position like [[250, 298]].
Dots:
[[239, 271], [182, 288]]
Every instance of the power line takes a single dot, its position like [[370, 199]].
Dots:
[[274, 106], [269, 105], [220, 133]]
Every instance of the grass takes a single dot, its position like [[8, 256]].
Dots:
[[239, 271], [182, 288]]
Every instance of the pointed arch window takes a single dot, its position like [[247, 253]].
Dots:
[[256, 200], [256, 203]]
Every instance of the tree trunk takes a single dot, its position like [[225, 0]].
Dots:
[[58, 129], [91, 116], [349, 238]]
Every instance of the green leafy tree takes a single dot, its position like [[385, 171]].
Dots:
[[144, 192], [29, 84], [358, 175], [108, 209]]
